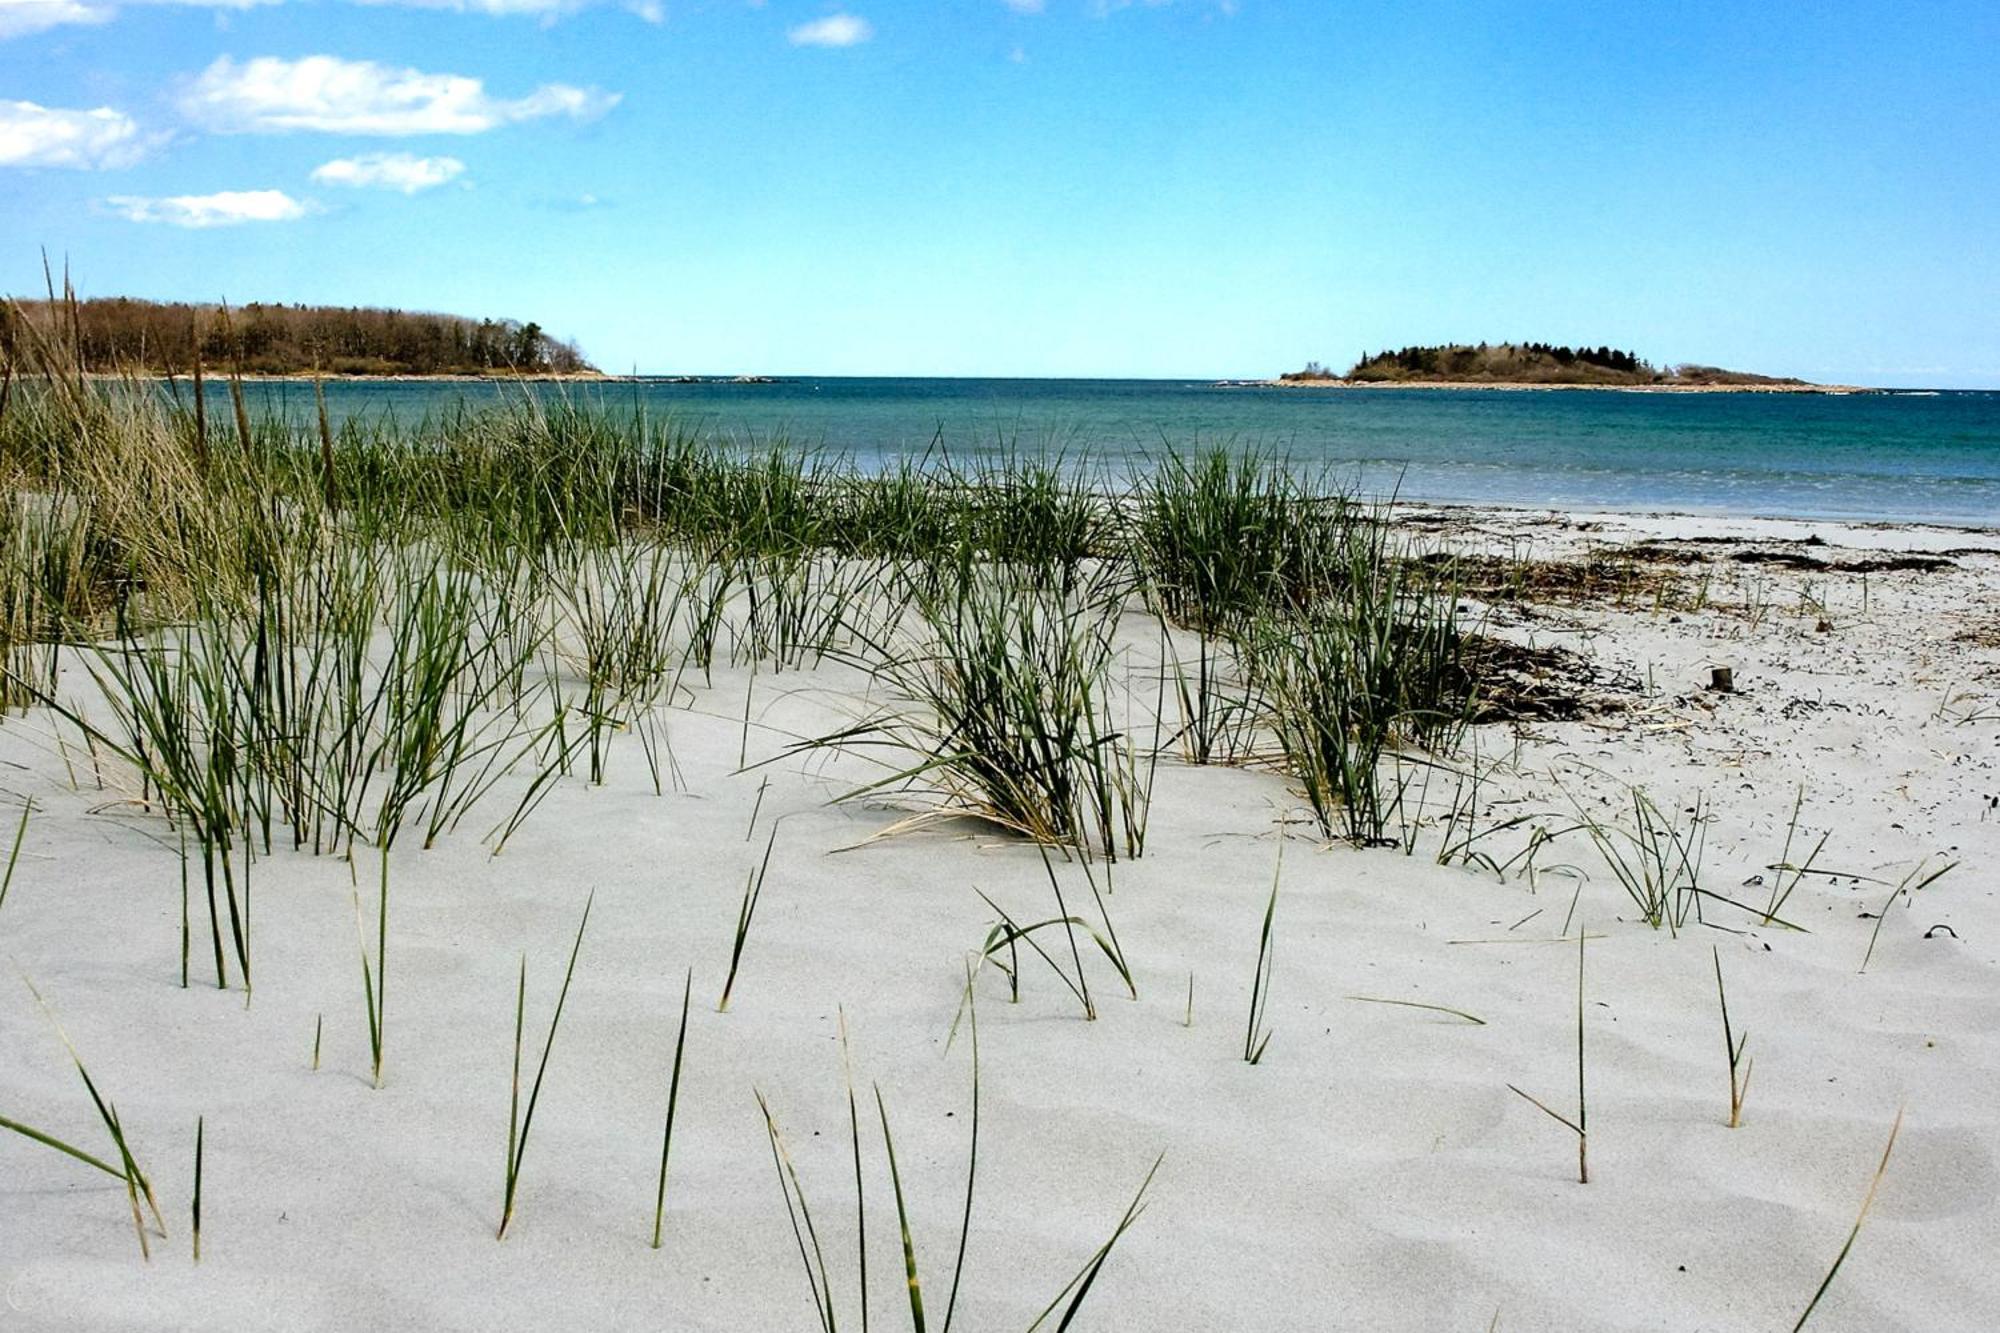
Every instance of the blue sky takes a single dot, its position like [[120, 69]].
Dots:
[[1070, 187]]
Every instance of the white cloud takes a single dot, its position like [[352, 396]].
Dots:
[[389, 171], [268, 95], [226, 208], [20, 17], [833, 30], [1027, 6], [43, 136]]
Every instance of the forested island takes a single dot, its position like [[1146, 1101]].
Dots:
[[120, 334], [1530, 364]]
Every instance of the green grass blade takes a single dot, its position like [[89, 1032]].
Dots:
[[902, 1221], [673, 1100]]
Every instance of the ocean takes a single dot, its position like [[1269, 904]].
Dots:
[[1891, 457]]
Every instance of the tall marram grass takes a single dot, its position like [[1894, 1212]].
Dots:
[[345, 630], [1004, 710], [1373, 665]]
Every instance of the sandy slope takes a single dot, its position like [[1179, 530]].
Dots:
[[1373, 1172]]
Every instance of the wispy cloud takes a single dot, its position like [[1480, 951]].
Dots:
[[44, 136], [405, 172], [833, 30], [226, 208], [269, 95], [21, 17], [1027, 6]]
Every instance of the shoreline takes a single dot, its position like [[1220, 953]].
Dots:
[[1859, 533]]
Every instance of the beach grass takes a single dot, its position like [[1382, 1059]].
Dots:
[[520, 1121], [1578, 1125], [673, 1104], [1256, 1033], [1847, 1247]]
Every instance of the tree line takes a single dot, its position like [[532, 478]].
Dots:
[[1527, 361], [159, 337]]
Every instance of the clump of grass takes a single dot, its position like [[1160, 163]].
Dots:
[[1009, 934], [1580, 1126], [1867, 1202], [1657, 861], [1732, 1046], [753, 889], [1219, 708], [1373, 667], [1222, 535], [673, 1101], [1006, 712], [518, 1123]]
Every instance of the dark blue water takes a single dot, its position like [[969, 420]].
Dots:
[[1890, 457]]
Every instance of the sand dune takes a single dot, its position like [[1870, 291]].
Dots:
[[1372, 1171]]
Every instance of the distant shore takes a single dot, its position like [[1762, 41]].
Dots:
[[567, 377], [1519, 386]]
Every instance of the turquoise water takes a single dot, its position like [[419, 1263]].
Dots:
[[1901, 457]]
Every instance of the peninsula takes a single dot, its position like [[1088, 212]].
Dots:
[[125, 335]]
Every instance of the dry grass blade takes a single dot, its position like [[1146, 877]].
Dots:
[[1732, 1045], [1418, 1004], [1867, 1202]]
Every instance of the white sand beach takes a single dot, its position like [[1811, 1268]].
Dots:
[[1372, 1171]]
